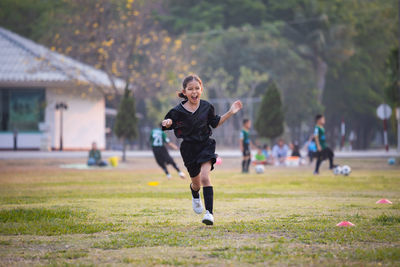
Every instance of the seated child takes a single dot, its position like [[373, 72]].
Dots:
[[95, 157], [260, 157]]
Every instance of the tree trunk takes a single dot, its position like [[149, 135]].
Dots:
[[123, 150], [320, 71]]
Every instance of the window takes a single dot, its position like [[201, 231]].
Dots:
[[21, 109]]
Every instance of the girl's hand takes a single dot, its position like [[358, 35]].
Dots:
[[236, 106], [166, 123]]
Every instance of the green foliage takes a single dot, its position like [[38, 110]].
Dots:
[[260, 54], [29, 18], [392, 72], [355, 87], [198, 16], [269, 122], [126, 121], [325, 55], [392, 96]]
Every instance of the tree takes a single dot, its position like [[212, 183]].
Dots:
[[260, 54], [29, 18], [391, 88], [355, 87], [126, 121], [269, 122], [198, 16], [121, 38]]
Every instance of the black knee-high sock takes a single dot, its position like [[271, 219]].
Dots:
[[330, 162], [248, 164], [317, 164], [165, 170], [208, 194], [195, 194], [175, 166], [243, 165]]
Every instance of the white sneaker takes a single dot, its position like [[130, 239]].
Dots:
[[197, 206], [208, 218], [169, 176], [182, 175]]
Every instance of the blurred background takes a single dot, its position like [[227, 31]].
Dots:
[[67, 67]]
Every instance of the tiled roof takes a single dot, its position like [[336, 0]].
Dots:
[[22, 60]]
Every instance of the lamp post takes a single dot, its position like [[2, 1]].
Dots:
[[61, 106]]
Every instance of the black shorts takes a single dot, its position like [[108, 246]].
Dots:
[[162, 156], [195, 154], [246, 150], [324, 154]]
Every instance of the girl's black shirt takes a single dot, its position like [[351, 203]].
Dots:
[[193, 126]]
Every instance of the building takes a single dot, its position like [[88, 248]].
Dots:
[[33, 80]]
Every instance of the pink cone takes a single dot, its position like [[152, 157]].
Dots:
[[219, 161], [384, 201], [345, 224]]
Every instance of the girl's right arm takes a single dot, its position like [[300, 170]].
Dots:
[[236, 106], [166, 123]]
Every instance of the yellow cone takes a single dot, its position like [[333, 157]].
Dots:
[[153, 183]]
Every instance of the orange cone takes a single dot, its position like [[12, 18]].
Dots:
[[345, 224], [384, 201]]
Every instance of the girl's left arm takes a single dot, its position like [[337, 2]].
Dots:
[[236, 106]]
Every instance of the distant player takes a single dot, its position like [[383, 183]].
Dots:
[[311, 148], [323, 152], [260, 157], [158, 139], [192, 120], [245, 145]]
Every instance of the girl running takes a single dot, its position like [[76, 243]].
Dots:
[[191, 120]]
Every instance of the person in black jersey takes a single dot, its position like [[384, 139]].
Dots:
[[191, 121]]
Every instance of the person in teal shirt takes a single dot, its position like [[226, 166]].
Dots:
[[158, 139], [323, 151], [245, 144], [95, 157]]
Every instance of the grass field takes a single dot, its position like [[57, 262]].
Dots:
[[286, 216]]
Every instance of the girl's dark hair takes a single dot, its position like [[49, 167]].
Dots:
[[187, 80]]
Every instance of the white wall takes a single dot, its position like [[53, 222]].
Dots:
[[6, 140], [24, 140], [83, 121]]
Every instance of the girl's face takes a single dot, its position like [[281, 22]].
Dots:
[[193, 92]]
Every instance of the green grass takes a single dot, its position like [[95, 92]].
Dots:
[[43, 221], [287, 216]]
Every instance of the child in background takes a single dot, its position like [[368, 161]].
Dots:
[[260, 157], [158, 139], [323, 152], [311, 148], [191, 120], [295, 149], [245, 145], [95, 157]]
